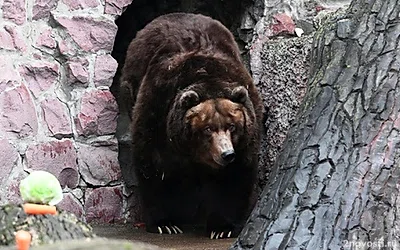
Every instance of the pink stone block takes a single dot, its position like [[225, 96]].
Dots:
[[11, 172], [19, 43], [116, 6], [15, 11], [68, 177], [71, 204], [40, 76], [104, 205], [6, 41], [12, 194], [56, 117], [283, 24], [42, 8], [104, 70], [56, 157], [46, 39], [99, 165], [78, 71], [8, 159], [98, 114], [18, 113], [11, 39], [81, 4], [91, 34], [67, 48], [9, 76]]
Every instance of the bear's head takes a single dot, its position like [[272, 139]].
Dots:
[[211, 131]]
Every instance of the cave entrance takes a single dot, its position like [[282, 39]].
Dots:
[[231, 13]]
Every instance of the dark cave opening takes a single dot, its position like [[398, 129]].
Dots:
[[134, 18]]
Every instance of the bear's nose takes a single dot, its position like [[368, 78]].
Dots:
[[228, 156]]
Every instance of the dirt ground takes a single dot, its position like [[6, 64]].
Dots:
[[190, 240]]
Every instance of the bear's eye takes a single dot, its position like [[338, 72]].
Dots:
[[232, 127], [207, 130]]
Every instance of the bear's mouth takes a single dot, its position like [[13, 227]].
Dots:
[[220, 162]]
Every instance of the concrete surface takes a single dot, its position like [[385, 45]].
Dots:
[[192, 239]]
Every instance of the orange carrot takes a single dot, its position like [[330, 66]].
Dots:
[[23, 240], [31, 208]]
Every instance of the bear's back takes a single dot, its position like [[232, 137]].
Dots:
[[176, 33], [185, 32]]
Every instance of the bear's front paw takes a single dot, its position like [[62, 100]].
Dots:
[[221, 234], [219, 228], [164, 229]]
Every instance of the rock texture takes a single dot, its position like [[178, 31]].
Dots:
[[278, 35], [108, 212], [282, 83], [98, 113], [57, 113]]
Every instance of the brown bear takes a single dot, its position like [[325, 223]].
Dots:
[[196, 124]]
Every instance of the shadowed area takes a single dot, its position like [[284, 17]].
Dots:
[[190, 240]]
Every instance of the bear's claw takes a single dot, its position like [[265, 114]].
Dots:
[[172, 229], [220, 235], [178, 229]]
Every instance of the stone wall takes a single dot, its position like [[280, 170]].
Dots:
[[57, 113]]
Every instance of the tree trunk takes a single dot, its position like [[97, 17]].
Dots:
[[43, 228], [335, 184]]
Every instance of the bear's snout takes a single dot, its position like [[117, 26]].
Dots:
[[223, 152], [228, 155]]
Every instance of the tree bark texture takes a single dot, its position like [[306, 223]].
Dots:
[[335, 185], [43, 228]]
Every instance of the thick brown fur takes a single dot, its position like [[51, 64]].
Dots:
[[179, 68]]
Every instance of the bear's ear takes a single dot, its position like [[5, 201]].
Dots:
[[240, 94], [189, 99]]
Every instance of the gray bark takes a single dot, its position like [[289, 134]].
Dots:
[[335, 185]]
